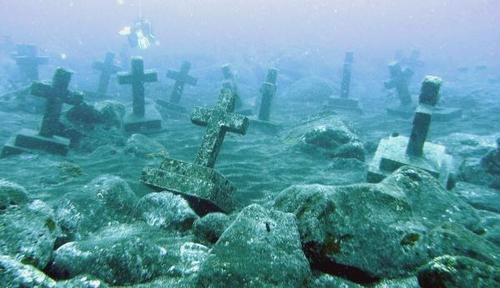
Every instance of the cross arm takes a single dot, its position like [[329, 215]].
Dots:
[[236, 123], [73, 98], [201, 116], [40, 89], [150, 76], [125, 78]]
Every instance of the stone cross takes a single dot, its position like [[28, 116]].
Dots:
[[107, 69], [229, 78], [346, 75], [218, 120], [28, 61], [137, 77], [56, 95], [429, 96], [400, 79], [181, 78], [268, 91]]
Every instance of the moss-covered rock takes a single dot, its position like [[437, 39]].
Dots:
[[210, 227], [16, 274]]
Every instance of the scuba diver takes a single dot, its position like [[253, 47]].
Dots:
[[140, 34]]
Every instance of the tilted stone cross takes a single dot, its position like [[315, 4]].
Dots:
[[218, 120], [181, 78], [346, 75], [229, 79], [429, 96], [268, 90], [56, 95], [137, 77], [107, 69], [28, 61], [400, 79]]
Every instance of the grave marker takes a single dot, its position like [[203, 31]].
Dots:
[[399, 80], [344, 102], [181, 79], [107, 68], [28, 61]]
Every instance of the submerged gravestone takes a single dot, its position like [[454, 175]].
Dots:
[[268, 91], [229, 82], [398, 151], [399, 80], [107, 68], [28, 61], [138, 121], [344, 102], [56, 94], [205, 188], [181, 78]]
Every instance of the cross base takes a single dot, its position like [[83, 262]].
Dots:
[[402, 111], [204, 188], [343, 104], [245, 112], [265, 126], [391, 155], [29, 141], [446, 114], [149, 123], [171, 107]]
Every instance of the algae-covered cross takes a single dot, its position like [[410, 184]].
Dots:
[[218, 120], [107, 69], [400, 79], [181, 78], [137, 77], [28, 60], [56, 95]]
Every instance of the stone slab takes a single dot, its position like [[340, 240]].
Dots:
[[29, 141], [403, 112], [446, 114], [266, 126], [204, 188], [150, 123], [343, 104], [245, 112], [391, 155]]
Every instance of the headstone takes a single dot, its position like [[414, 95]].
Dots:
[[46, 139], [138, 121], [397, 151], [181, 79], [107, 68], [230, 82], [28, 61], [268, 91], [205, 188], [344, 102], [399, 80]]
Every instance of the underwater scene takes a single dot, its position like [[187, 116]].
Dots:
[[249, 143]]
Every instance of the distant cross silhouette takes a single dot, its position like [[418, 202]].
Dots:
[[346, 75], [181, 78], [218, 121], [267, 90], [400, 79], [56, 95], [28, 61], [107, 69], [137, 77]]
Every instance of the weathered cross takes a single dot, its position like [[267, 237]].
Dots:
[[137, 77], [56, 95], [107, 69], [400, 79], [181, 78], [218, 120], [429, 96], [268, 90], [345, 86], [229, 78], [28, 61]]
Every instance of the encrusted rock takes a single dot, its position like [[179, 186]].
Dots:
[[166, 210], [82, 281], [111, 112], [16, 274], [479, 197], [209, 228], [261, 248], [11, 194], [142, 146]]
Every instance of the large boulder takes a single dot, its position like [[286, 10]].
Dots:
[[166, 210], [479, 197], [328, 136], [28, 233], [261, 248], [458, 272], [210, 227], [144, 147], [368, 231], [11, 194], [119, 255], [106, 200], [16, 274]]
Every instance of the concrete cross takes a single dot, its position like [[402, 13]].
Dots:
[[345, 86], [218, 120], [181, 78], [137, 77], [400, 79], [229, 78], [56, 95], [28, 61], [107, 69], [429, 96], [268, 91]]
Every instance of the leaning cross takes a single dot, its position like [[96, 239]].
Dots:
[[107, 69], [56, 95], [429, 96], [218, 120], [28, 61], [137, 77], [400, 79], [346, 75], [229, 79], [268, 90], [181, 78]]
